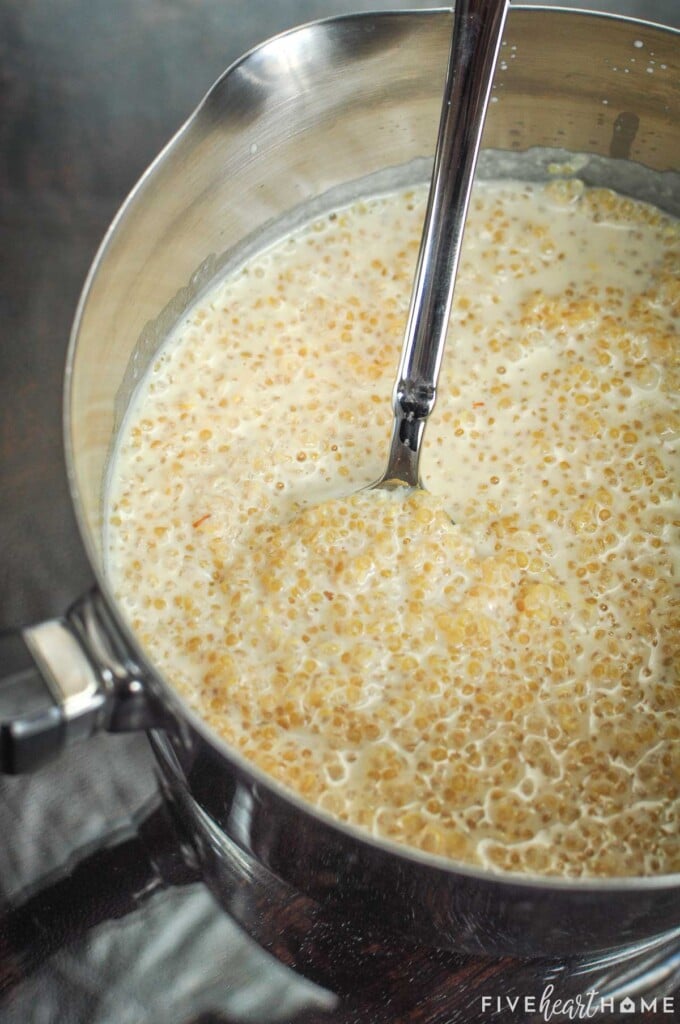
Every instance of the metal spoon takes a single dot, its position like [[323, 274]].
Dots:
[[475, 42]]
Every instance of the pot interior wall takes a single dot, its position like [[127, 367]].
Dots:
[[332, 103]]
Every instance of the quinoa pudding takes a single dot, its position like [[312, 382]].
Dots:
[[487, 670]]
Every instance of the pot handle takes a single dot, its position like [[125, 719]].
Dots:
[[65, 679]]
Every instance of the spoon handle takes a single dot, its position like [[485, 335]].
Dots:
[[475, 42]]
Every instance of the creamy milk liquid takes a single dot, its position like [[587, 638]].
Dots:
[[488, 670]]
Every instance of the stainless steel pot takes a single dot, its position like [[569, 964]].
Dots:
[[295, 120]]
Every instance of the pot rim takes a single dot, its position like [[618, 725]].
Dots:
[[422, 859]]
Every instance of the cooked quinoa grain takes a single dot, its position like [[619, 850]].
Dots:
[[487, 670]]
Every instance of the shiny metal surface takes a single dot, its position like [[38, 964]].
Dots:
[[475, 42], [70, 674], [297, 121], [301, 930], [74, 677]]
